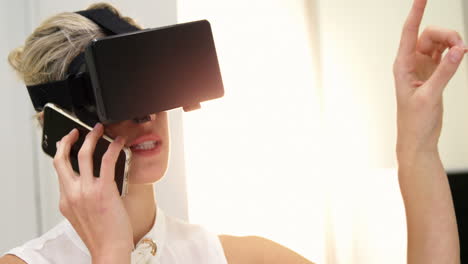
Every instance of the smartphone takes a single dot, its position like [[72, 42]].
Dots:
[[153, 70], [58, 123]]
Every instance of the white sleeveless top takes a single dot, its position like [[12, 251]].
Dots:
[[177, 242]]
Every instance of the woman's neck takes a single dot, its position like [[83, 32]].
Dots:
[[140, 204]]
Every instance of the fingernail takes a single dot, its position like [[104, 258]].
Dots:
[[97, 126], [120, 140], [57, 144], [456, 54]]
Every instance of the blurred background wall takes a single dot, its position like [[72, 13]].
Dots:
[[20, 194], [301, 148]]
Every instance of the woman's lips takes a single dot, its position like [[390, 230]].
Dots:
[[147, 145]]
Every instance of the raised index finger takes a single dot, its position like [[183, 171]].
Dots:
[[410, 34]]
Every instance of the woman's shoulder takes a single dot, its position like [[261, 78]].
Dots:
[[11, 259], [243, 249], [54, 246], [256, 250], [225, 248]]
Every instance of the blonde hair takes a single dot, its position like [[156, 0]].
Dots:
[[52, 46]]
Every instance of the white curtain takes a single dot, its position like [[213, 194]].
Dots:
[[254, 157], [301, 149]]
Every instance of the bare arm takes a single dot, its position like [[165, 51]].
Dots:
[[421, 75], [258, 250], [432, 227], [11, 259]]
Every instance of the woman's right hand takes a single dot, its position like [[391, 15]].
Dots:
[[92, 204]]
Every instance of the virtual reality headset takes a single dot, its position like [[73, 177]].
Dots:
[[132, 73]]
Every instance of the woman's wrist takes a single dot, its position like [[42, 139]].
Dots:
[[410, 159], [417, 164], [409, 152]]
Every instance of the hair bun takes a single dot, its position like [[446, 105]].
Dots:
[[15, 59]]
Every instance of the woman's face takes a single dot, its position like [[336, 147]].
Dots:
[[149, 143]]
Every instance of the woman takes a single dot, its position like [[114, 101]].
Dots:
[[105, 228]]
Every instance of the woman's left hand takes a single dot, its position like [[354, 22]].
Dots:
[[421, 75]]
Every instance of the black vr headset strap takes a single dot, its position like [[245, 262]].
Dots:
[[65, 93], [54, 92], [109, 21]]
